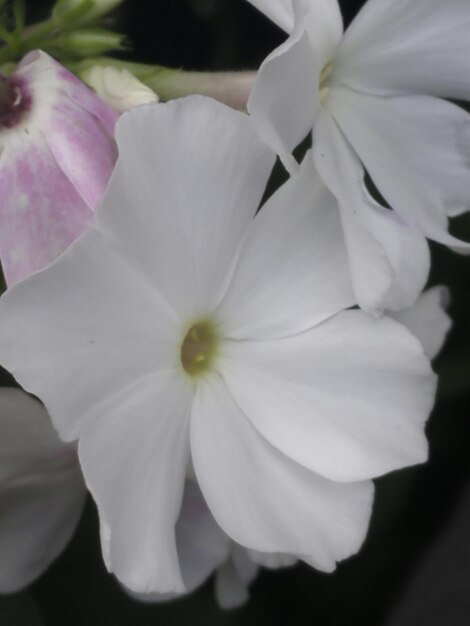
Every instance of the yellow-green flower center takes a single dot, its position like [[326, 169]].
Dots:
[[198, 348]]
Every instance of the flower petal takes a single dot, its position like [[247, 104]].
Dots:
[[324, 23], [293, 269], [428, 320], [416, 150], [408, 46], [190, 177], [38, 68], [202, 545], [389, 259], [83, 150], [37, 520], [279, 11], [233, 577], [273, 560], [134, 459], [74, 337], [41, 491], [285, 97], [39, 221], [348, 399], [262, 499]]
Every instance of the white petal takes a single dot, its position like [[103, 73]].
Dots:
[[202, 545], [325, 28], [293, 269], [348, 399], [41, 491], [285, 97], [273, 560], [134, 460], [80, 334], [279, 11], [189, 179], [324, 23], [408, 46], [416, 150], [262, 499], [37, 520], [428, 320], [389, 259], [408, 252], [233, 577]]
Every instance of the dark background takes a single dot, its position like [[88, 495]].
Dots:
[[416, 510]]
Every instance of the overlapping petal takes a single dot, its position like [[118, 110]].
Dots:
[[41, 491], [428, 320], [416, 149], [134, 459], [285, 97], [408, 46], [201, 544], [79, 334], [292, 271], [389, 258], [233, 577], [190, 177], [260, 497], [348, 399]]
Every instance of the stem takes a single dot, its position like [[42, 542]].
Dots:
[[230, 88]]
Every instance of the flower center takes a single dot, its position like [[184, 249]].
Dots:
[[198, 348], [15, 101], [324, 77]]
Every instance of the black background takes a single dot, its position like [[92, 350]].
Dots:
[[414, 508]]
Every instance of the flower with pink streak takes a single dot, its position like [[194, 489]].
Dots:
[[56, 156]]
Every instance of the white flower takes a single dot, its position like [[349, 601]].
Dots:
[[204, 547], [180, 327], [57, 153], [41, 490], [373, 96]]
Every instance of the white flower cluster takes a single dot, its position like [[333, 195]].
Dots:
[[230, 375]]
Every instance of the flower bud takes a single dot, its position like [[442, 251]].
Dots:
[[118, 87], [88, 42], [99, 8], [57, 154]]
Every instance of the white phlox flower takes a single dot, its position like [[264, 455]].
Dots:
[[182, 331], [373, 96], [41, 490], [202, 545]]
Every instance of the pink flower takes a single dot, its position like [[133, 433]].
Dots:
[[56, 156]]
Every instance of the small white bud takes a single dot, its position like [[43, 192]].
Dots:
[[118, 88]]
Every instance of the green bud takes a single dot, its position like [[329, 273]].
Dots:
[[95, 10], [87, 42]]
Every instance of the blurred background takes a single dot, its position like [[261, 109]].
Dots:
[[414, 568]]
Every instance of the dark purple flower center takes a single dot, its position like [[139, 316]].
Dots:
[[15, 101]]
